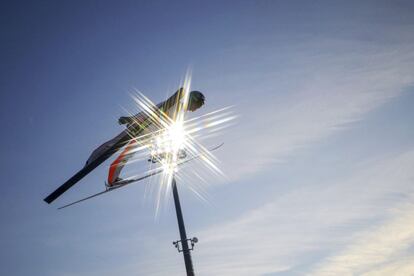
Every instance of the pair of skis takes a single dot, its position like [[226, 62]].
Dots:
[[126, 182]]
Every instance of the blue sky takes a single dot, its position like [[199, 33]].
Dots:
[[319, 165]]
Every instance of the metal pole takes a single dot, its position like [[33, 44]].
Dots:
[[184, 242]]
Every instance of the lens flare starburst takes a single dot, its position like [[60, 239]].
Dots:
[[169, 139]]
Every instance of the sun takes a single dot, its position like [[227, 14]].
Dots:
[[173, 140]]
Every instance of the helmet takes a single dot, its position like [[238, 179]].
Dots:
[[196, 100]]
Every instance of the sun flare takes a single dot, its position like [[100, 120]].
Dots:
[[172, 140]]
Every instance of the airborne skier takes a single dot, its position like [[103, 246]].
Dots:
[[136, 126]]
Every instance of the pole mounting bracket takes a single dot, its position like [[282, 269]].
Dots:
[[192, 241]]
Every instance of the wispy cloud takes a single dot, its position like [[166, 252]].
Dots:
[[327, 85], [382, 250], [313, 222]]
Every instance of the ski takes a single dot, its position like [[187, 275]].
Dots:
[[126, 182]]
